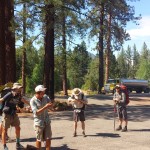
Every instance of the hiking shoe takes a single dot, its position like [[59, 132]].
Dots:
[[83, 133], [124, 129], [74, 134], [19, 146], [5, 148], [119, 128]]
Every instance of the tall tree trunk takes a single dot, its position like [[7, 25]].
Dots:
[[108, 50], [10, 42], [2, 42], [24, 50], [101, 68], [49, 51], [64, 72]]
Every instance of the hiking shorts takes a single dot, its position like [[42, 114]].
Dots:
[[122, 113], [10, 120], [78, 115], [43, 133]]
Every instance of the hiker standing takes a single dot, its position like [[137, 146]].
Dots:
[[9, 115], [120, 101], [42, 124], [78, 100]]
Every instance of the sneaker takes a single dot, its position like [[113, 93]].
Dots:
[[19, 146], [83, 133], [124, 129], [5, 148], [119, 128], [74, 134]]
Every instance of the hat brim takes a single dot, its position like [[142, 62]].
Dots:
[[41, 90], [17, 87]]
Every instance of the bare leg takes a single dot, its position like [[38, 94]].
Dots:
[[4, 131], [48, 144], [38, 144], [83, 125], [75, 126], [17, 132]]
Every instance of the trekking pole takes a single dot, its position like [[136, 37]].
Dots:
[[114, 116]]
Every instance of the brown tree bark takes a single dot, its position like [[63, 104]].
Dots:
[[2, 43], [49, 51], [24, 52], [64, 72], [10, 42], [101, 68], [108, 50]]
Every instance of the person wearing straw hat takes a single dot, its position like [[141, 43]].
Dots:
[[119, 99], [9, 115], [42, 123], [78, 100]]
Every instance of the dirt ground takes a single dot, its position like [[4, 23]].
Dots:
[[99, 126]]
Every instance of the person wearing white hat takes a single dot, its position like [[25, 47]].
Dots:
[[9, 115], [39, 105], [78, 100], [119, 99]]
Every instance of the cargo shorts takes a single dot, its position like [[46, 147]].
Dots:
[[122, 113], [43, 133], [10, 120]]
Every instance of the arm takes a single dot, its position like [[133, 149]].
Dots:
[[24, 100], [123, 98], [84, 100], [43, 108], [1, 100]]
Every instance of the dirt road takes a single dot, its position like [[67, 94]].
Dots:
[[99, 127]]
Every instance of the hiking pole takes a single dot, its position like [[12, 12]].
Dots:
[[114, 116]]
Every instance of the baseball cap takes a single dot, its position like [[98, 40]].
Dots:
[[40, 88], [117, 87]]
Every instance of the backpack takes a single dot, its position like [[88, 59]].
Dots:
[[3, 93], [125, 91]]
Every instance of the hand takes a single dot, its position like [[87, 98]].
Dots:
[[48, 105]]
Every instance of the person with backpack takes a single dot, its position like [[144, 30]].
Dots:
[[78, 100], [9, 115], [119, 99]]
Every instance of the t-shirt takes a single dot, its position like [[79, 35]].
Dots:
[[36, 104]]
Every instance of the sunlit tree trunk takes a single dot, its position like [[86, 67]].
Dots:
[[101, 67], [64, 72], [108, 50], [24, 51]]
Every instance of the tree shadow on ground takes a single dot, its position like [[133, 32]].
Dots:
[[63, 147], [140, 130], [112, 135], [28, 140], [106, 111]]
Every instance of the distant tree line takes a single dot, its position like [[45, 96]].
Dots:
[[35, 39]]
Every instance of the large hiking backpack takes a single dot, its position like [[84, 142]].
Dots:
[[124, 90], [3, 93]]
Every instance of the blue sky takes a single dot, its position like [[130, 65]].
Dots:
[[141, 33]]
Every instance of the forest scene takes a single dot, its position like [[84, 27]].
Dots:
[[47, 42]]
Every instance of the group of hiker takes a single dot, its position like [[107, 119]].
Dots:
[[39, 104]]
